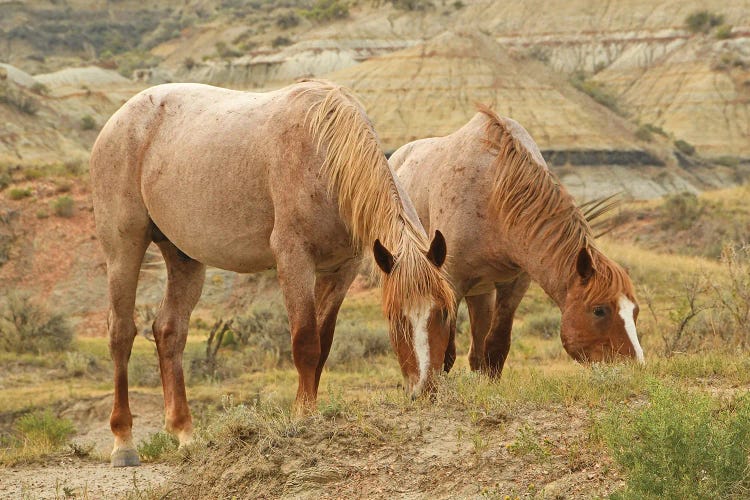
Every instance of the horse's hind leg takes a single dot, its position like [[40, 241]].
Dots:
[[497, 343], [184, 284], [330, 290], [124, 246], [480, 309]]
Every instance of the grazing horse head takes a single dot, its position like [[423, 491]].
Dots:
[[417, 297], [600, 311], [419, 304]]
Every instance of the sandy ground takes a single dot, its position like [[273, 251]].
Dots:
[[91, 477]]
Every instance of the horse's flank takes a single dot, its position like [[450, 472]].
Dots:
[[524, 187]]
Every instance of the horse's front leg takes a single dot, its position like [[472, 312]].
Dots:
[[296, 272], [497, 342], [330, 290]]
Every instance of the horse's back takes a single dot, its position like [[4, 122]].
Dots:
[[208, 164]]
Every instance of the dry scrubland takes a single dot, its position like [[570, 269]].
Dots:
[[549, 428]]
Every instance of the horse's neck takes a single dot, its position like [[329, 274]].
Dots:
[[535, 257]]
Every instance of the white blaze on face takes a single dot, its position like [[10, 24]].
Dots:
[[626, 313], [421, 341]]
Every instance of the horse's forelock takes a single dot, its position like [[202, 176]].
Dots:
[[609, 282]]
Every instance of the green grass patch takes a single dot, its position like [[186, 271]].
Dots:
[[35, 436], [19, 193], [681, 444], [156, 446]]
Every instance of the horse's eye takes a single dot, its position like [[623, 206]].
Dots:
[[599, 311]]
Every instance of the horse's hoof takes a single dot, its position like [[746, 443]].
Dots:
[[125, 457]]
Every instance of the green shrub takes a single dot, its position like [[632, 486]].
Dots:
[[143, 370], [88, 122], [226, 52], [288, 20], [596, 91], [684, 147], [281, 41], [40, 88], [78, 364], [326, 10], [43, 428], [28, 327], [265, 329], [681, 211], [156, 446], [644, 134], [724, 31], [702, 21], [545, 325], [727, 161], [354, 341], [19, 193], [17, 99], [64, 206], [681, 445], [412, 5]]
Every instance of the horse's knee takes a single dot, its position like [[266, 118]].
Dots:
[[306, 348]]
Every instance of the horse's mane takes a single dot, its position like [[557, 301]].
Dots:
[[529, 200], [369, 200]]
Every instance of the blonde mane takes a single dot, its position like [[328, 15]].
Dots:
[[359, 176], [529, 200]]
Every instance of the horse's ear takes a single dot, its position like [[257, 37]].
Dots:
[[438, 249], [584, 264], [383, 257]]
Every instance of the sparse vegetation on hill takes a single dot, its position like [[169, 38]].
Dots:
[[702, 21], [27, 327]]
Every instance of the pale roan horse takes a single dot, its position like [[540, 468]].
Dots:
[[293, 179], [507, 220]]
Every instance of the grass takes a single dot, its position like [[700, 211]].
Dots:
[[681, 444], [35, 436]]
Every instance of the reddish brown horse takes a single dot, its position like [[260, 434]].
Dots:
[[293, 179], [508, 220]]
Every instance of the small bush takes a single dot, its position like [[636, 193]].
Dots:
[[681, 211], [545, 325], [681, 445], [28, 327], [326, 10], [724, 31], [78, 364], [354, 341], [684, 147], [727, 161], [143, 370], [281, 41], [19, 193], [156, 446], [88, 122], [644, 134], [64, 206], [265, 332], [44, 428], [596, 91], [702, 21], [226, 52], [40, 88], [288, 20], [458, 5], [188, 63], [412, 5]]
